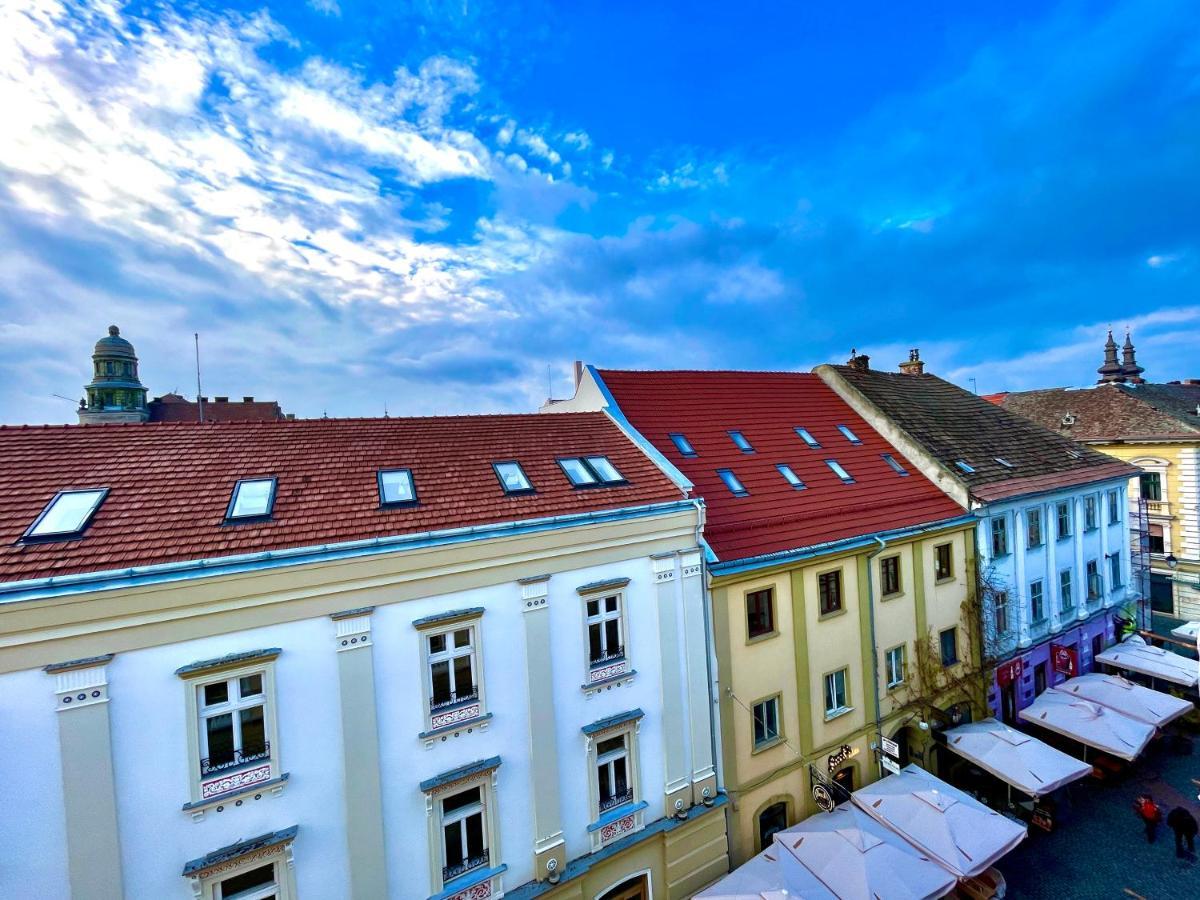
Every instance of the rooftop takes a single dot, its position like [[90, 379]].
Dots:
[[1112, 412], [174, 408]]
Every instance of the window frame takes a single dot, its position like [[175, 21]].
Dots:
[[602, 616], [1093, 578], [1063, 520], [1114, 506], [435, 796], [1040, 594], [206, 882], [776, 702], [965, 467], [1000, 613], [676, 437], [849, 435], [515, 492], [1033, 514], [396, 504], [894, 464], [807, 436], [773, 630], [1115, 572], [629, 727], [739, 490], [953, 632], [29, 537], [598, 480], [840, 471], [1066, 590], [741, 441], [884, 593], [459, 713], [1149, 477], [938, 578], [847, 705], [999, 525], [788, 474], [1091, 516], [231, 519], [836, 575], [891, 683]]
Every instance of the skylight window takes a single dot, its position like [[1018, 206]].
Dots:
[[578, 472], [731, 482], [791, 477], [849, 435], [66, 515], [740, 441], [606, 470], [253, 498], [964, 465], [1075, 454], [682, 445], [808, 438], [895, 464], [590, 471], [841, 473], [396, 487], [1004, 462], [512, 477]]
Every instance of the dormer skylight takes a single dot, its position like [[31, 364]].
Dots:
[[253, 498], [849, 435], [682, 444], [512, 477], [895, 464], [791, 477], [807, 437], [731, 481], [841, 473], [1004, 462], [965, 466], [66, 515], [590, 471], [396, 487], [740, 441]]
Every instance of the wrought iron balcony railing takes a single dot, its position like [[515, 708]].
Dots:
[[449, 873], [454, 700], [614, 654], [250, 754], [616, 800]]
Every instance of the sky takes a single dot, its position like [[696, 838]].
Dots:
[[434, 208]]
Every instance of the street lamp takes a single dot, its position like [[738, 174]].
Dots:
[[1172, 562]]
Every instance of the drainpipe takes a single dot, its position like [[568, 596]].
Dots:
[[710, 652], [875, 655]]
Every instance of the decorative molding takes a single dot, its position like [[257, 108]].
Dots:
[[535, 593], [607, 672], [239, 854], [439, 783], [611, 723], [352, 613], [353, 632], [448, 618], [664, 568], [274, 787], [207, 667], [459, 715], [691, 563], [76, 687], [235, 781], [596, 587], [455, 729]]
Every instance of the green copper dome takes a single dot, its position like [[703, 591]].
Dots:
[[115, 393]]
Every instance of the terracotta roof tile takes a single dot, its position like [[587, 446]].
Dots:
[[1113, 411]]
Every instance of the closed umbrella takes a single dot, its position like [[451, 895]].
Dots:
[[1089, 723], [1019, 759], [1133, 700]]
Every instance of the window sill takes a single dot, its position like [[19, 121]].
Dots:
[[273, 786], [767, 745], [895, 686], [838, 713], [480, 722], [617, 813], [469, 880], [894, 595], [945, 579], [759, 638], [604, 684], [832, 614]]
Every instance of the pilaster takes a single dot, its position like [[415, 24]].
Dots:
[[672, 650], [1024, 603], [700, 713], [1080, 574], [1053, 586]]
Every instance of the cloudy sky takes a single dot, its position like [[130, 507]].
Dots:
[[438, 206]]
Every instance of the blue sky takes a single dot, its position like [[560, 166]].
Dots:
[[439, 206]]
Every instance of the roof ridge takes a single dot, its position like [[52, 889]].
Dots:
[[318, 422]]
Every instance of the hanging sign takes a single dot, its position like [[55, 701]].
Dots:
[[890, 747], [890, 764], [1064, 659], [825, 793], [1008, 672]]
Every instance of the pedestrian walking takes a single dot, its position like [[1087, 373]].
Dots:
[[1183, 823], [1148, 811]]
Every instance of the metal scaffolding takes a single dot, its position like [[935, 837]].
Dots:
[[1139, 562]]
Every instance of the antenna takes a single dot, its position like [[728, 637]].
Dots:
[[68, 399], [199, 394], [549, 384], [974, 386]]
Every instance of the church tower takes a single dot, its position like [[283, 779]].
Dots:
[[115, 394]]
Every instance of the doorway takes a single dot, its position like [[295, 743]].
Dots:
[[1008, 703], [771, 821], [1162, 598], [637, 888], [844, 778], [1039, 679]]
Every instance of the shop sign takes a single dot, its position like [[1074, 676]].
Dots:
[[1043, 818], [1007, 673], [1064, 659], [890, 764], [823, 790], [891, 748], [843, 753]]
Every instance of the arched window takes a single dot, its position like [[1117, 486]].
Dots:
[[771, 821], [635, 888]]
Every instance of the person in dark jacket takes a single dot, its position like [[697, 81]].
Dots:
[[1183, 823], [1150, 815]]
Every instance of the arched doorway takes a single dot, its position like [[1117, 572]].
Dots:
[[771, 821], [844, 778], [636, 888]]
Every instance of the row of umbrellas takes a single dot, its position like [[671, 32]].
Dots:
[[1135, 655]]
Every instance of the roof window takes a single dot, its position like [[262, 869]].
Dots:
[[396, 487], [1004, 462], [849, 435], [590, 471], [512, 477], [841, 473], [682, 444], [791, 477], [896, 467], [740, 441], [66, 515], [807, 437], [965, 466], [1075, 454], [606, 470], [253, 498], [731, 482]]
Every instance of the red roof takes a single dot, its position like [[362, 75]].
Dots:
[[174, 408], [170, 485], [767, 407], [998, 399]]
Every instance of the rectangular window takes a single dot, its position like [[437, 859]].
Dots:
[[849, 435], [732, 482], [1065, 601], [1037, 601], [739, 441], [682, 444], [1089, 512], [1063, 516], [1114, 510], [766, 722], [943, 562], [258, 883], [606, 637], [590, 471], [1033, 527], [1004, 462], [760, 612], [829, 586], [964, 466], [1157, 539], [835, 693], [1094, 586], [66, 515], [949, 643], [1114, 570], [1000, 609], [396, 487], [789, 476], [894, 665], [839, 471], [1151, 485], [603, 469], [999, 526], [896, 467], [578, 472], [512, 477], [233, 729], [253, 498], [614, 786], [451, 659], [464, 833], [889, 575], [807, 437]]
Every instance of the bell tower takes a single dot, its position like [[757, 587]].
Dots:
[[115, 394]]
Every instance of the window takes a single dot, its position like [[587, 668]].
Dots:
[[1114, 509], [614, 786], [396, 487], [66, 515], [1037, 601], [578, 472], [839, 471], [849, 435], [835, 694], [512, 477], [760, 612], [1089, 512], [789, 476], [256, 869], [253, 884], [613, 781], [889, 575], [949, 643], [606, 641], [999, 526], [1114, 570], [464, 833], [807, 437], [771, 821], [591, 471], [1157, 540], [1063, 516], [682, 444], [766, 722], [604, 469], [452, 669], [1004, 462], [253, 498], [943, 562], [894, 666], [1033, 527], [1095, 587], [1151, 485], [964, 466], [740, 442], [731, 482], [1065, 600], [896, 467], [233, 727], [829, 586], [1000, 610]]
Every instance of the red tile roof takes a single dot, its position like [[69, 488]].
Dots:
[[174, 408], [170, 485], [766, 407]]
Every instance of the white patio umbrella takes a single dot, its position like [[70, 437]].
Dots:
[[1133, 700], [1136, 655], [938, 819], [1021, 760], [1089, 723], [762, 878], [1189, 631]]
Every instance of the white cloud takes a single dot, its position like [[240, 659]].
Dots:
[[326, 7]]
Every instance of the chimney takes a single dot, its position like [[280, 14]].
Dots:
[[222, 399], [247, 399], [578, 373], [914, 365], [858, 362]]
